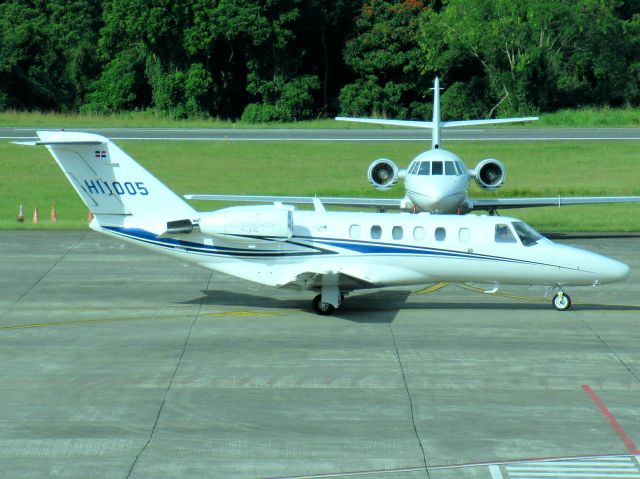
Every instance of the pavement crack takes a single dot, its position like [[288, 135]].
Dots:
[[406, 387], [612, 351], [44, 275], [175, 371]]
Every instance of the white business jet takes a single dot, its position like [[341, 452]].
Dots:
[[437, 180], [332, 253]]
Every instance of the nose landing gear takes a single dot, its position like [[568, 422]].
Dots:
[[561, 301]]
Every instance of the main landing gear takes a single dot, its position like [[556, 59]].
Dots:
[[322, 308], [561, 301], [330, 297]]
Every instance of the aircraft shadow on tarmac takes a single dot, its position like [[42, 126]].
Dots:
[[383, 306]]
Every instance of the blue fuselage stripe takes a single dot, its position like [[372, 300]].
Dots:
[[313, 246]]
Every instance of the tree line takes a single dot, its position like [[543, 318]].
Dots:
[[284, 60]]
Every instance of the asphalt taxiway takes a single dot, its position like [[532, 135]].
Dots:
[[116, 362]]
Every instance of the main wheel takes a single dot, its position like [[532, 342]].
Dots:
[[324, 309], [561, 301]]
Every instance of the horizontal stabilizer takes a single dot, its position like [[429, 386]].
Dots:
[[65, 138], [430, 124]]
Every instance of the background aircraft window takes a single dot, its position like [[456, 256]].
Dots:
[[436, 169], [464, 235], [425, 166], [396, 233], [418, 233], [504, 234], [441, 234], [376, 232], [354, 231], [527, 234], [450, 168]]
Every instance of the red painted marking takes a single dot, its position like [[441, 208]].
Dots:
[[628, 442]]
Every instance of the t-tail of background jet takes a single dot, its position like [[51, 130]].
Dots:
[[118, 191]]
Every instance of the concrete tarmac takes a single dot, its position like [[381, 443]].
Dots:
[[116, 362]]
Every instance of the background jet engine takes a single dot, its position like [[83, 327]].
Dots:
[[383, 174], [490, 174]]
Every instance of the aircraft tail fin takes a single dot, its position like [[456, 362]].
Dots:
[[111, 183]]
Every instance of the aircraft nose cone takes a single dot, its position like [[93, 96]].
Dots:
[[615, 271]]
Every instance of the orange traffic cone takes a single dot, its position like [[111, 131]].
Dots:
[[21, 214], [36, 216], [89, 217], [54, 215]]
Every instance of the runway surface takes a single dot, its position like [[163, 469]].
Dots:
[[116, 362], [356, 134]]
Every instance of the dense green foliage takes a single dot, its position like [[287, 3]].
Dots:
[[287, 60]]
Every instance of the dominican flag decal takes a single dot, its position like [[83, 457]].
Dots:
[[101, 153]]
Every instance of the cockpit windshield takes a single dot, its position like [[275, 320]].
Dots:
[[526, 233]]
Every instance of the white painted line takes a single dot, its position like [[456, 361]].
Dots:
[[547, 469], [564, 475], [535, 475], [613, 463], [495, 472]]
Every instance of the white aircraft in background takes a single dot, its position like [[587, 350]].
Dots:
[[437, 180], [332, 253]]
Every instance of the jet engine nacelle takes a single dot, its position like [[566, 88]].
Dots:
[[249, 221], [490, 174], [383, 174]]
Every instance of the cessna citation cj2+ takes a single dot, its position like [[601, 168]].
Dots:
[[332, 253], [436, 180]]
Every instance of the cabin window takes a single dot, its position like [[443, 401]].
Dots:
[[464, 235], [354, 232], [376, 232], [396, 233], [418, 233], [450, 168], [414, 168], [436, 168], [425, 167], [526, 233], [504, 234], [441, 234]]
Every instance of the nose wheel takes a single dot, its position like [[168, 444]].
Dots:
[[561, 301]]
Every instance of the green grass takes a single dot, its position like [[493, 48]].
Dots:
[[147, 119], [29, 176], [592, 118], [584, 117]]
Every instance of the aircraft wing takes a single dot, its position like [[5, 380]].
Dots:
[[313, 280], [380, 203], [505, 203]]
